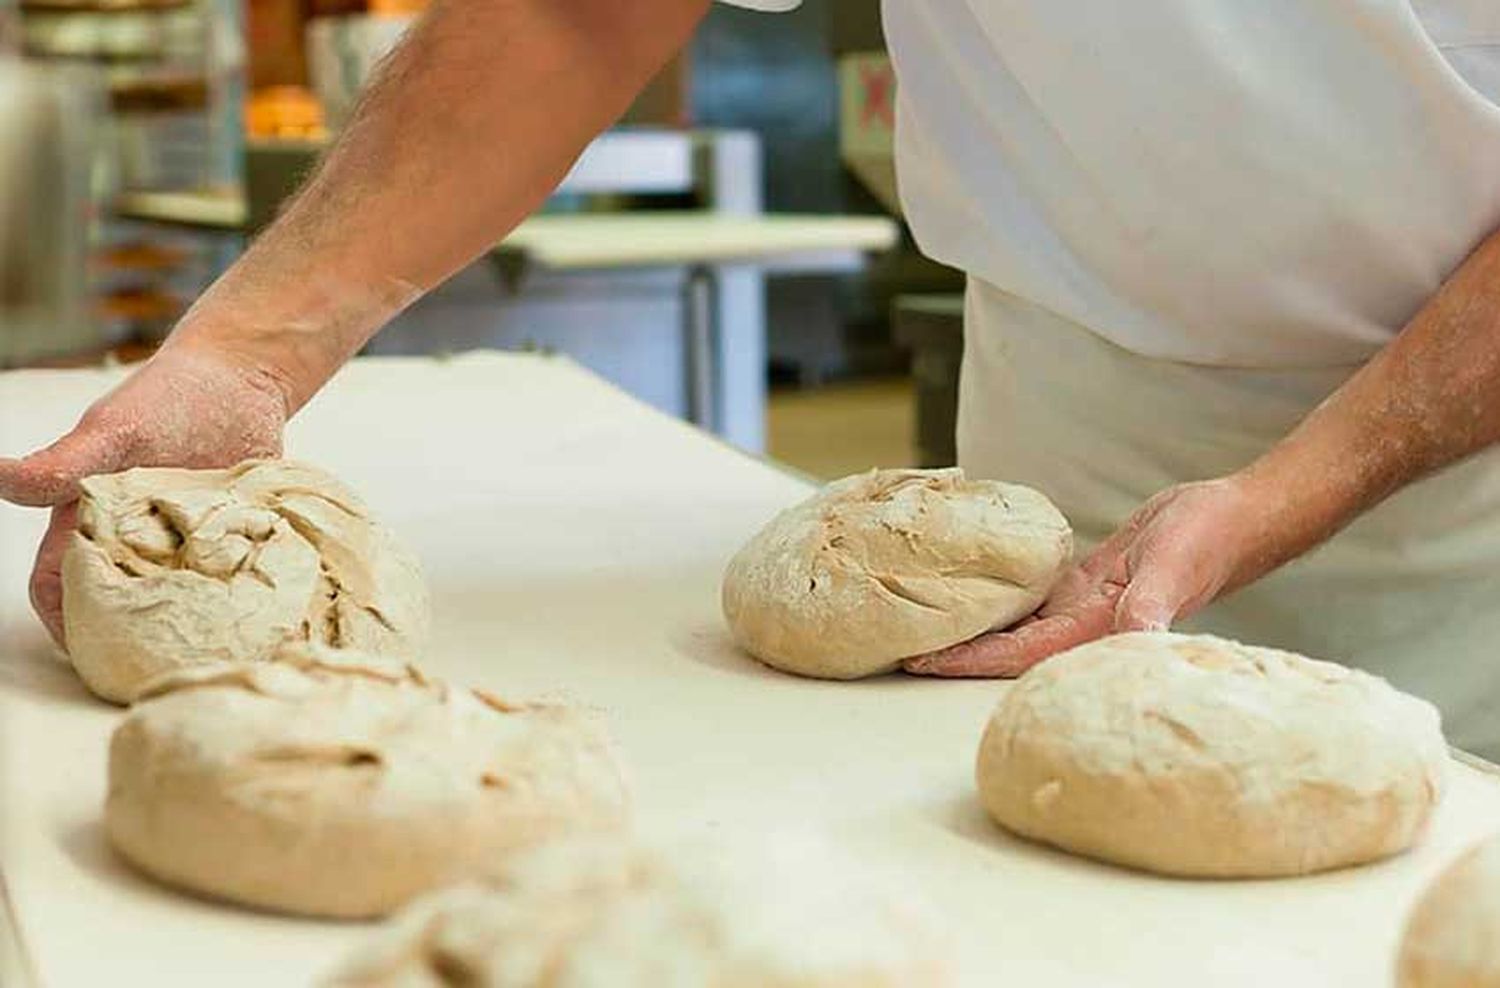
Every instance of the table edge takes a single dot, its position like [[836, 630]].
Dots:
[[15, 957], [1475, 762]]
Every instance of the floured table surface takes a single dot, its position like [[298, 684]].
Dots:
[[574, 540]]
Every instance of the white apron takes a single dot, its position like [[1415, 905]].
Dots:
[[1277, 183]]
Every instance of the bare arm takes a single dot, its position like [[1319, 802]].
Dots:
[[465, 130], [1429, 398]]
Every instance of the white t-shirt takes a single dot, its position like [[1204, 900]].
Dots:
[[1271, 184]]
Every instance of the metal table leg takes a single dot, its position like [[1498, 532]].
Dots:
[[700, 347]]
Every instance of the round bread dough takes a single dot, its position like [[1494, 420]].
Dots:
[[1193, 755], [892, 564], [172, 568], [787, 913], [1453, 936], [335, 784]]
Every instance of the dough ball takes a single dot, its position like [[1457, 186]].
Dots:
[[777, 914], [891, 564], [1192, 755], [172, 568], [1453, 936], [334, 784]]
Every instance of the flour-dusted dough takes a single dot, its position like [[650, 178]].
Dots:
[[1453, 935], [890, 564], [334, 784], [1193, 755], [785, 912], [172, 568]]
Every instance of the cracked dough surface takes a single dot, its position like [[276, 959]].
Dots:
[[172, 568], [780, 913], [334, 784], [890, 564], [1452, 937], [1195, 755]]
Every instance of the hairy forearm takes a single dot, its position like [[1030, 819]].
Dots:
[[465, 129], [1431, 397]]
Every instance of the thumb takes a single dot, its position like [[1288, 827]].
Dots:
[[51, 475]]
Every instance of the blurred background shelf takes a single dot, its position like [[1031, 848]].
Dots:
[[101, 6], [101, 57], [223, 210], [161, 94], [148, 97]]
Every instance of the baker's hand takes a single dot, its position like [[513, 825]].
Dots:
[[1183, 548], [188, 406]]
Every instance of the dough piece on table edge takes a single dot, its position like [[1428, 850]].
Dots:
[[891, 564], [781, 911], [172, 568], [1201, 757], [1452, 937], [333, 784]]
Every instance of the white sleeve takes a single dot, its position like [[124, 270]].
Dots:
[[771, 6]]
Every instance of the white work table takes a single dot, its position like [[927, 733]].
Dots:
[[613, 240], [574, 541], [571, 241], [721, 365]]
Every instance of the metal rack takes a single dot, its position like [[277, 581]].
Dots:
[[171, 70]]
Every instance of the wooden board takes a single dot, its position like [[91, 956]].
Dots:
[[574, 540]]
